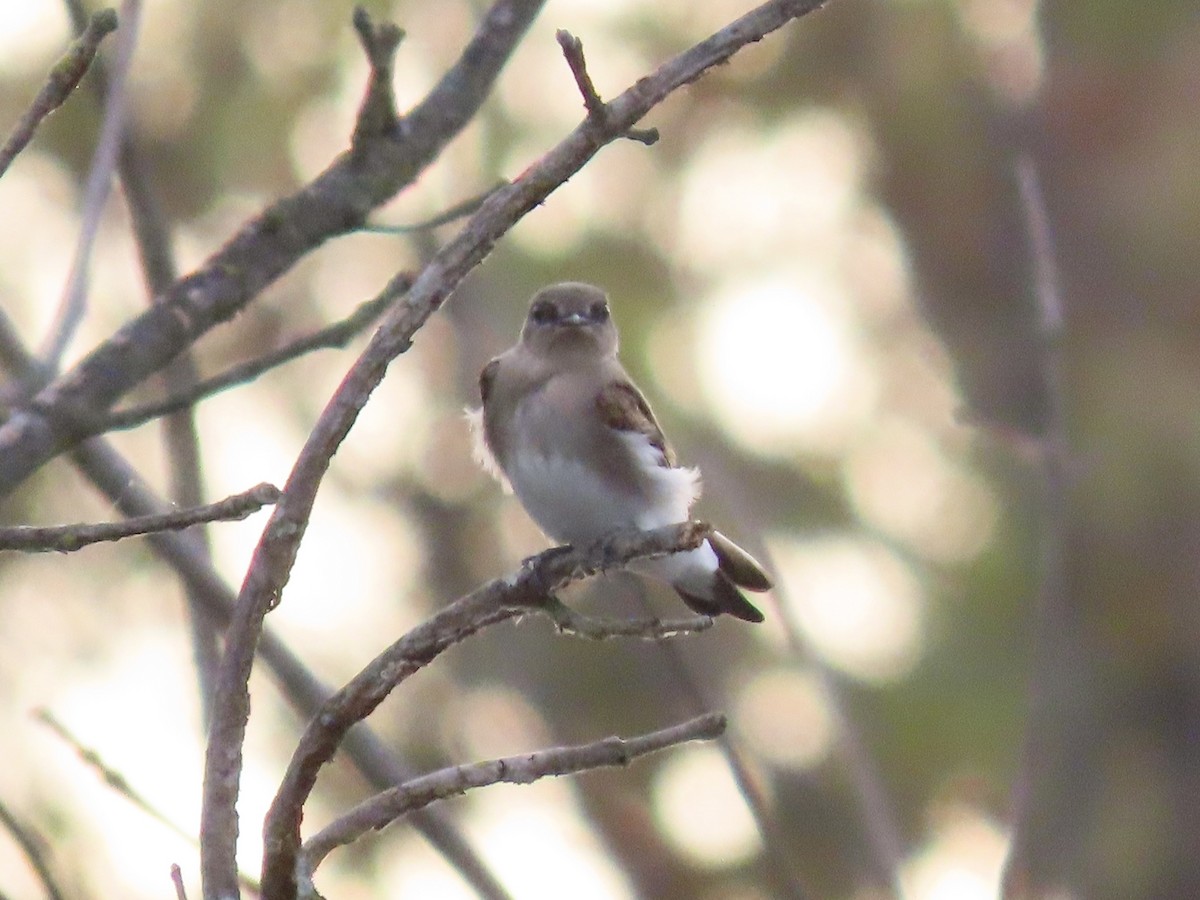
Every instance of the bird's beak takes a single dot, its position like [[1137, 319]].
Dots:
[[574, 319]]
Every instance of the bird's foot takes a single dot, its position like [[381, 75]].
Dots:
[[529, 561]]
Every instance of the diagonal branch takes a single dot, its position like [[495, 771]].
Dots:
[[497, 601], [112, 475], [159, 269], [336, 202], [73, 305], [381, 810], [68, 538], [273, 557], [1057, 768], [32, 846], [62, 80], [330, 337]]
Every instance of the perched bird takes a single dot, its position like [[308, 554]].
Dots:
[[565, 428]]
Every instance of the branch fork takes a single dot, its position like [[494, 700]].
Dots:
[[597, 110]]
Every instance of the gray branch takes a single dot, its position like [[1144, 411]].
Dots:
[[381, 810], [68, 538], [62, 80], [73, 305], [381, 162], [530, 589], [272, 562], [331, 336]]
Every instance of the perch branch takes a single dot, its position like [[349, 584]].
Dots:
[[61, 81], [68, 538], [381, 810], [529, 589], [330, 337]]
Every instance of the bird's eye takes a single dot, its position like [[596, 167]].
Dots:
[[542, 313], [599, 311]]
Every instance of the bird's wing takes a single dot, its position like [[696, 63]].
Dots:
[[486, 378], [476, 419], [623, 408]]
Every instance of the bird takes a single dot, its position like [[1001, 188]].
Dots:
[[563, 426]]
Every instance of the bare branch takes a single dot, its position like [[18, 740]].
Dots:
[[177, 880], [453, 214], [376, 760], [272, 562], [531, 588], [336, 202], [152, 234], [569, 622], [1055, 769], [377, 115], [381, 810], [61, 81], [68, 538], [337, 335], [99, 181], [572, 48], [33, 847], [120, 784]]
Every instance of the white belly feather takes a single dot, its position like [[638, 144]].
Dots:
[[572, 503]]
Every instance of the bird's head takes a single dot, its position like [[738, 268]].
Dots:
[[570, 318]]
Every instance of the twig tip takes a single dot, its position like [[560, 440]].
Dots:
[[103, 21]]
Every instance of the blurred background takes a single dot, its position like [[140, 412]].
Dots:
[[823, 283]]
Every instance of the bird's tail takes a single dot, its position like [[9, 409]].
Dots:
[[735, 568]]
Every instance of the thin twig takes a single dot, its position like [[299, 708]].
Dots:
[[61, 81], [120, 784], [152, 233], [177, 880], [68, 538], [336, 202], [875, 808], [569, 622], [1054, 771], [377, 115], [453, 214], [273, 557], [572, 48], [381, 810], [104, 161], [376, 759], [779, 856], [530, 589], [337, 335], [33, 847], [110, 776]]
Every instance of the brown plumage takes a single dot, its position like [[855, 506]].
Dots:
[[565, 426]]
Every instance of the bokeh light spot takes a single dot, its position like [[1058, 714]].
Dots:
[[700, 810], [784, 717], [963, 861], [903, 484], [859, 604], [781, 367]]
